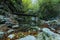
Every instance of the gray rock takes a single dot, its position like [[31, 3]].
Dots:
[[15, 26], [29, 37], [1, 17], [9, 31], [11, 36], [1, 34]]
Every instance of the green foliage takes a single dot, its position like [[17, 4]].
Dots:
[[47, 10], [30, 7]]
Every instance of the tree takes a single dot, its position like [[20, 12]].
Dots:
[[47, 10]]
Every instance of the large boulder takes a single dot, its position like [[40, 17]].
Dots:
[[29, 37]]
